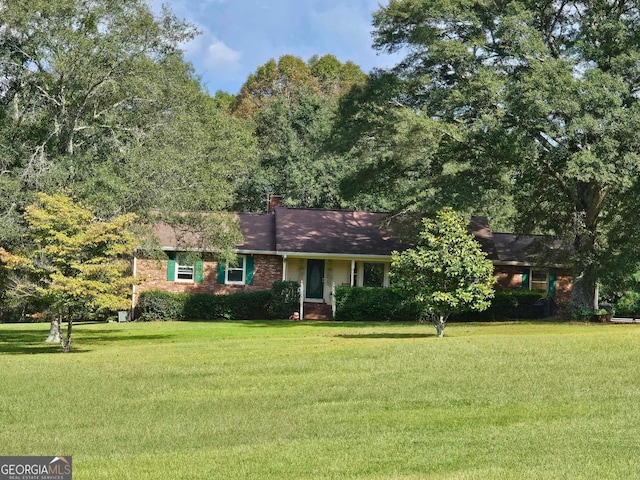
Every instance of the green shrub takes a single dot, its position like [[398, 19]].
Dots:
[[628, 304], [158, 305], [207, 306], [515, 304], [249, 305], [285, 299], [373, 303]]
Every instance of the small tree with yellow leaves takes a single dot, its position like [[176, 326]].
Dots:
[[77, 263]]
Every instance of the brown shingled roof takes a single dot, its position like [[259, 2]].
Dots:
[[259, 232], [341, 232], [334, 232], [523, 249]]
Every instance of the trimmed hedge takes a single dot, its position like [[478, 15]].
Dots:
[[352, 304], [516, 304], [377, 303], [373, 303], [510, 305], [250, 305], [159, 305]]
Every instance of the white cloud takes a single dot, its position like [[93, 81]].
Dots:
[[221, 56]]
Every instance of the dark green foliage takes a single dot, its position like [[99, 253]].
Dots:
[[513, 304], [206, 306], [373, 304], [628, 304], [285, 300], [508, 305], [158, 305], [249, 305], [536, 101], [292, 105]]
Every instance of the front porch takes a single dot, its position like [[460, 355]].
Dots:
[[319, 275]]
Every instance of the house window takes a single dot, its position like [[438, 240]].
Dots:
[[235, 273], [539, 280], [373, 275], [183, 267], [185, 273]]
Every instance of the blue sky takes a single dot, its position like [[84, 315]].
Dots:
[[240, 35]]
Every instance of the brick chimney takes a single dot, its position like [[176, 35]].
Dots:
[[274, 201]]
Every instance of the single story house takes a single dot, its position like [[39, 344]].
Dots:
[[325, 248]]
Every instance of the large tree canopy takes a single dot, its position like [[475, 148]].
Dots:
[[292, 104], [537, 98], [97, 98]]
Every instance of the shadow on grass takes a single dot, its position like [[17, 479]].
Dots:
[[29, 342], [318, 323], [387, 335]]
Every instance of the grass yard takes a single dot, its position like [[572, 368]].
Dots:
[[326, 400]]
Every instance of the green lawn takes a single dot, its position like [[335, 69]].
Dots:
[[326, 400]]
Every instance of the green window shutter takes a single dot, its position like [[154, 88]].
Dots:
[[221, 271], [551, 288], [525, 279], [199, 271], [171, 270], [249, 268]]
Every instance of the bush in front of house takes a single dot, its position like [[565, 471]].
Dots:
[[516, 304], [373, 303], [377, 303], [159, 305], [285, 298], [249, 305], [509, 305], [206, 306]]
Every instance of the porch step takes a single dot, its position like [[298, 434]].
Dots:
[[317, 311]]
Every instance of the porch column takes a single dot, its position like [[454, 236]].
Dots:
[[301, 300], [284, 268], [133, 287], [353, 271]]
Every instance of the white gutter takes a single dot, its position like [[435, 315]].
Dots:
[[336, 256], [526, 264], [359, 256]]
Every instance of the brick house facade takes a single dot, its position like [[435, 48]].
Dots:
[[321, 249]]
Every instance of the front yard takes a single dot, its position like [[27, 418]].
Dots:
[[182, 400]]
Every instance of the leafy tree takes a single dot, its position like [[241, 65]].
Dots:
[[446, 273], [96, 100], [74, 263], [537, 99], [81, 81], [292, 106]]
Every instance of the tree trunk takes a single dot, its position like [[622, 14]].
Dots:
[[584, 293], [66, 342], [54, 331], [439, 321]]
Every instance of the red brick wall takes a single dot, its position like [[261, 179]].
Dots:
[[509, 277], [266, 270]]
